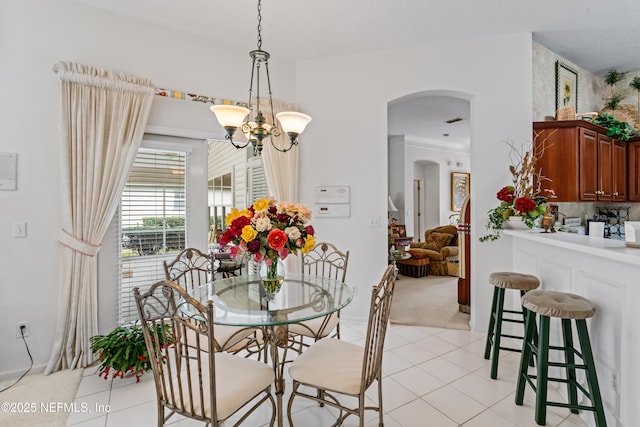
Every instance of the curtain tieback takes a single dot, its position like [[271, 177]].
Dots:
[[72, 242]]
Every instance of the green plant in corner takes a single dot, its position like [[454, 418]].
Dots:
[[612, 78], [124, 351], [615, 129]]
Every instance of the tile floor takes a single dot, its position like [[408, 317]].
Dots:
[[434, 377]]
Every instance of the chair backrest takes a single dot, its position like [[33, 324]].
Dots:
[[191, 268], [379, 310], [326, 260], [178, 333]]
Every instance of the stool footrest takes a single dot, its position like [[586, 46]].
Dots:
[[566, 365], [515, 350], [570, 406], [513, 321], [513, 336]]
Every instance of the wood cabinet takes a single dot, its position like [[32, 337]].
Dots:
[[634, 170], [620, 174], [582, 163]]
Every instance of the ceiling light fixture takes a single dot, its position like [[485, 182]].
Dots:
[[256, 129]]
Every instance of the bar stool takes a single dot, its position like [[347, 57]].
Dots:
[[567, 307], [501, 281]]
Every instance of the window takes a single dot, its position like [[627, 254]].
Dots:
[[220, 199], [153, 215], [257, 181]]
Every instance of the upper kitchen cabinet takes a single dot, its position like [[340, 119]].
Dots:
[[582, 163]]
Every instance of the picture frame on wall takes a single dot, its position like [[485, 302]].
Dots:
[[566, 86], [460, 182]]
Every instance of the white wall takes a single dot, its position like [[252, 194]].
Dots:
[[349, 145], [34, 35]]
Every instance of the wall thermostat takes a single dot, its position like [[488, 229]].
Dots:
[[8, 174]]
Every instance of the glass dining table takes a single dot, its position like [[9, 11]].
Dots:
[[240, 301]]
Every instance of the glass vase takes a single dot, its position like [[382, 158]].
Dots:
[[271, 276]]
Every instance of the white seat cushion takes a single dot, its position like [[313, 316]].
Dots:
[[311, 328], [330, 364], [238, 380]]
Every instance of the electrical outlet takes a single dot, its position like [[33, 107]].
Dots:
[[614, 381], [25, 329]]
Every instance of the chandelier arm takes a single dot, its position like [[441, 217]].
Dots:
[[230, 138], [253, 69], [292, 143], [274, 130]]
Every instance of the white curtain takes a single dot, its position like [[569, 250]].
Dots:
[[280, 169], [102, 120]]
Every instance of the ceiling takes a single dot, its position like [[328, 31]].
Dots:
[[593, 34]]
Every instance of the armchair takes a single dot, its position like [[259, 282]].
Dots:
[[440, 246]]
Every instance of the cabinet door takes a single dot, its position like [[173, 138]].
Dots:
[[605, 168], [619, 171], [634, 171], [588, 177], [559, 161]]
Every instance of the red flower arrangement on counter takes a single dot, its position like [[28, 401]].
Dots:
[[525, 198]]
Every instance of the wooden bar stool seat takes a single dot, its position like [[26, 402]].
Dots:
[[567, 307], [501, 281]]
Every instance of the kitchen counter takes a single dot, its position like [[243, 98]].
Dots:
[[612, 249], [607, 273]]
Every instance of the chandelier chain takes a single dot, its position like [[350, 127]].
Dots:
[[259, 25]]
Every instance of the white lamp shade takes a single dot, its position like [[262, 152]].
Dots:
[[392, 207], [293, 122], [229, 115]]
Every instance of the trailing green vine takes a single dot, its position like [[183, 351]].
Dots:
[[622, 131]]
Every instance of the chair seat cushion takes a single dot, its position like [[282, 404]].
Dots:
[[558, 304], [238, 380], [330, 364], [311, 328], [512, 280]]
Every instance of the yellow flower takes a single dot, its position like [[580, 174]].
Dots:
[[248, 233], [235, 213], [308, 244], [261, 205]]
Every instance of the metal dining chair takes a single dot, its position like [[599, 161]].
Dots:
[[192, 268], [191, 378], [327, 261], [334, 367]]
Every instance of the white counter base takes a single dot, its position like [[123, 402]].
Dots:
[[608, 273]]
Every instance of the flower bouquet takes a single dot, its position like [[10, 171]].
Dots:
[[269, 232], [524, 198]]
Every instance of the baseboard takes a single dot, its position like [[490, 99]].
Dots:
[[7, 376]]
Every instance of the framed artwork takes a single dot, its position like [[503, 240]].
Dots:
[[459, 189], [401, 230], [566, 86]]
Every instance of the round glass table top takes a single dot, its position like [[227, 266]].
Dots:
[[239, 300]]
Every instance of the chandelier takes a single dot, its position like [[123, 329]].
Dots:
[[256, 128]]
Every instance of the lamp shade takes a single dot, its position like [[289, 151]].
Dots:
[[229, 115], [293, 122], [392, 207]]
